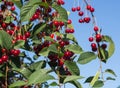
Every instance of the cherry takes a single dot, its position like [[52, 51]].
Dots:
[[61, 23], [71, 31], [88, 7], [91, 39], [81, 13], [78, 8], [27, 34], [69, 21], [56, 23], [81, 20], [104, 46], [96, 28], [4, 25], [4, 50], [12, 8], [87, 19], [60, 62], [1, 61], [94, 49], [92, 9], [16, 52], [52, 35], [4, 58], [35, 16], [98, 37], [73, 9], [62, 43], [93, 45]]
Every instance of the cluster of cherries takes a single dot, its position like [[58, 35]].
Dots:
[[83, 18], [6, 53]]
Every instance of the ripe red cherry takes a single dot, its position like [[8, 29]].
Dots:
[[1, 61], [87, 19], [61, 23], [78, 8], [91, 39], [71, 31], [73, 9], [81, 13], [62, 43], [104, 46], [56, 23], [81, 21], [98, 37], [4, 25], [67, 31], [60, 62], [35, 16], [27, 34], [93, 45], [52, 35], [92, 9], [4, 50], [12, 8], [94, 49], [88, 7], [4, 58], [96, 28], [69, 21], [16, 52]]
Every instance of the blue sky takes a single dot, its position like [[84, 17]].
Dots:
[[107, 14]]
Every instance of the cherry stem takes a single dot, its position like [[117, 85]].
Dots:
[[6, 74]]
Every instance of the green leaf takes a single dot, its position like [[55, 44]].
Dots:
[[74, 48], [111, 47], [9, 19], [44, 52], [89, 79], [53, 48], [62, 12], [95, 78], [38, 65], [76, 84], [39, 76], [98, 84], [111, 72], [17, 84], [1, 75], [104, 54], [48, 38], [86, 57], [72, 67], [27, 12], [24, 71], [71, 78], [53, 84], [38, 28], [5, 40], [17, 3], [71, 37], [110, 78], [19, 44]]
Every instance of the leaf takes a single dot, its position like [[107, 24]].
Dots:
[[39, 76], [111, 72], [38, 28], [111, 47], [24, 71], [71, 37], [27, 12], [48, 38], [110, 78], [72, 67], [38, 65], [62, 12], [53, 48], [17, 3], [1, 75], [98, 83], [74, 48], [44, 52], [95, 78], [17, 84], [71, 78], [89, 79], [9, 19], [86, 57], [76, 84], [5, 40], [53, 84], [104, 55], [19, 44]]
